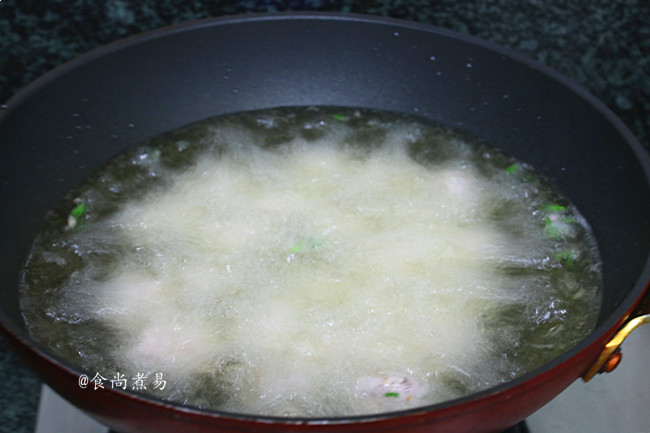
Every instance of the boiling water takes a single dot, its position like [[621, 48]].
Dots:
[[312, 262]]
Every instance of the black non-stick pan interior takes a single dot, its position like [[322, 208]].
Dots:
[[66, 124]]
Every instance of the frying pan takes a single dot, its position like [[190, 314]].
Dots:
[[66, 124]]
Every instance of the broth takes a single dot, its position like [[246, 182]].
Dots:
[[312, 262]]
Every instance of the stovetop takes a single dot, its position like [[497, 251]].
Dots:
[[617, 402]]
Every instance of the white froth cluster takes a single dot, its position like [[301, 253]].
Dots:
[[312, 281]]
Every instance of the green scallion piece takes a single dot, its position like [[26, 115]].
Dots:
[[78, 210], [310, 243], [512, 168], [553, 208], [340, 117], [569, 256], [391, 394], [557, 228], [553, 230]]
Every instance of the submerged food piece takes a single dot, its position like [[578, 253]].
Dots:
[[313, 262], [389, 392]]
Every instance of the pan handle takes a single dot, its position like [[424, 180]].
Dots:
[[611, 355]]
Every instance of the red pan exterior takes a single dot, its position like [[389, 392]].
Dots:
[[492, 413], [311, 59]]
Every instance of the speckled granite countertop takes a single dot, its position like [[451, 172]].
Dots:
[[603, 45]]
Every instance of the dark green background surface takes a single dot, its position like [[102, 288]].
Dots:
[[604, 46]]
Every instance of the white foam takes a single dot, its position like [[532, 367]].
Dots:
[[312, 273]]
